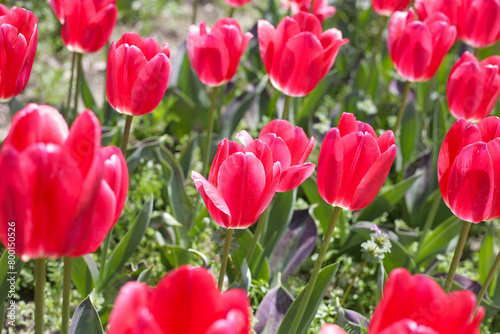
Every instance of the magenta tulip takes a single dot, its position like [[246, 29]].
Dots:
[[478, 22], [389, 7], [426, 8]]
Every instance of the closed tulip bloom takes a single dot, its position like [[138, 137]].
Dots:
[[426, 8], [468, 169], [320, 8], [60, 188], [298, 54], [86, 24], [241, 183], [185, 301], [290, 147], [236, 3], [215, 53], [353, 163], [416, 304], [138, 74], [478, 22], [473, 87], [18, 43], [332, 329], [389, 7], [417, 48]]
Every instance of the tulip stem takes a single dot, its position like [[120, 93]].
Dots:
[[40, 278], [456, 257], [430, 217], [68, 104], [126, 134], [286, 107], [476, 53], [346, 293], [225, 255], [376, 49], [66, 295], [195, 11], [402, 107], [230, 12], [78, 79], [487, 282], [104, 256], [317, 266], [211, 115], [260, 226]]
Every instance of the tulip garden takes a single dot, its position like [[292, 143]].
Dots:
[[250, 166]]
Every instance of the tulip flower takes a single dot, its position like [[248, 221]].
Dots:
[[186, 300], [425, 8], [418, 305], [478, 24], [332, 329], [353, 163], [473, 87], [236, 3], [241, 183], [138, 73], [320, 8], [18, 45], [4, 10], [60, 188], [86, 24], [389, 7], [298, 54], [468, 173], [417, 48], [290, 147], [215, 53]]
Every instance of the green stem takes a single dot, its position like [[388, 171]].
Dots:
[[231, 12], [286, 107], [195, 11], [211, 115], [488, 281], [430, 217], [225, 255], [456, 257], [317, 266], [40, 278], [260, 226], [376, 49], [78, 79], [66, 295], [104, 254], [476, 53], [126, 134], [68, 104], [402, 107], [346, 293]]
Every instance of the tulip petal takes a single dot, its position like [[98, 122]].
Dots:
[[224, 149], [133, 297], [292, 177], [266, 34], [330, 166], [407, 326], [489, 128], [301, 147], [282, 128], [244, 138], [331, 329], [216, 205], [280, 151], [116, 176], [385, 141]]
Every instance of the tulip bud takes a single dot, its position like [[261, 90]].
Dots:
[[298, 54], [353, 163], [215, 53], [473, 87], [389, 7], [138, 74], [478, 22]]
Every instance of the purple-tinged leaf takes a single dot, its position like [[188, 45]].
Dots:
[[272, 310]]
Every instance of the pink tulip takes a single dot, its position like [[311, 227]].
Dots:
[[332, 329], [426, 8], [236, 3], [320, 8], [389, 7], [215, 53], [62, 191], [417, 48], [478, 22], [241, 183], [298, 54], [473, 87], [290, 147], [138, 74]]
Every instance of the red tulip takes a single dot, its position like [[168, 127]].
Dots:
[[426, 8], [60, 189], [185, 301], [473, 87], [138, 73], [4, 10], [19, 31], [469, 169], [418, 305], [478, 22], [236, 3], [290, 147], [215, 54], [353, 163], [86, 24], [389, 7], [332, 329], [320, 7], [417, 48], [298, 54], [241, 183]]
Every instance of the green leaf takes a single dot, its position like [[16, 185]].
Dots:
[[14, 106], [86, 94], [186, 156], [84, 274], [437, 240], [324, 278], [85, 319], [258, 270], [322, 211], [8, 271], [279, 217], [487, 255], [127, 246], [410, 132], [146, 149]]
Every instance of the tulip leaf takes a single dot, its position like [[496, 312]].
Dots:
[[352, 321], [14, 106], [86, 319], [84, 274], [324, 278], [437, 240], [86, 94], [272, 310], [127, 246], [186, 156], [280, 215], [295, 246], [7, 272], [409, 134], [487, 255], [321, 210], [259, 267], [146, 150]]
